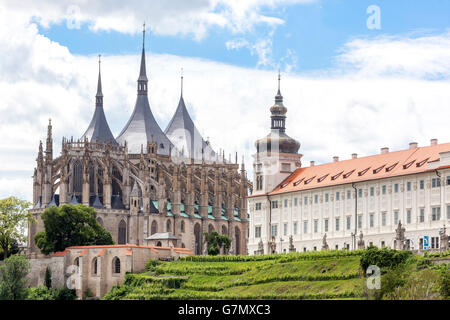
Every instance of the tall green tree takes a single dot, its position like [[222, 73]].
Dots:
[[216, 241], [70, 225], [14, 216], [13, 284]]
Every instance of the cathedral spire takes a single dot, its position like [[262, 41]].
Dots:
[[99, 95], [142, 80]]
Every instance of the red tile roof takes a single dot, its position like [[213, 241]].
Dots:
[[391, 164]]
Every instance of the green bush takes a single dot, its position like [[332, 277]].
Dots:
[[152, 264], [44, 293], [424, 264], [13, 284], [383, 258]]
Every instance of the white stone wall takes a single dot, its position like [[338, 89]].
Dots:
[[288, 213]]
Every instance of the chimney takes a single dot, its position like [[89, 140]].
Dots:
[[433, 142], [384, 150], [412, 145], [354, 155], [335, 159], [311, 163]]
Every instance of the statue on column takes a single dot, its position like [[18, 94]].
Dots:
[[260, 247], [324, 242], [272, 246], [400, 241], [361, 241], [444, 240], [291, 244]]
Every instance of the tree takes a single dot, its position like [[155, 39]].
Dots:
[[70, 225], [48, 278], [14, 216], [13, 284], [216, 241]]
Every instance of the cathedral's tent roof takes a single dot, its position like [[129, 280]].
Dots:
[[384, 165], [185, 136], [142, 127], [98, 130]]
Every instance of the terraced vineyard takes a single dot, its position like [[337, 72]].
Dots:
[[319, 275]]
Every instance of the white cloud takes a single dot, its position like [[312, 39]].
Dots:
[[418, 57], [173, 17], [335, 114]]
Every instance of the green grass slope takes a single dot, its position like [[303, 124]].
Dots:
[[318, 275]]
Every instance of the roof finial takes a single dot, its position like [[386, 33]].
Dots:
[[143, 35], [182, 81], [279, 78]]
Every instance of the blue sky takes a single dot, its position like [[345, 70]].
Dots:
[[313, 32], [348, 89]]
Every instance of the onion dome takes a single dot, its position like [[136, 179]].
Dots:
[[277, 140]]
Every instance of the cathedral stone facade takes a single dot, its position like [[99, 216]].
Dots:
[[145, 181]]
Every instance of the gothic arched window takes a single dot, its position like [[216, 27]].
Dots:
[[116, 265], [154, 227], [122, 236]]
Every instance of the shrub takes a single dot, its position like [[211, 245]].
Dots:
[[44, 293], [152, 264], [424, 264], [383, 258], [48, 278], [445, 283]]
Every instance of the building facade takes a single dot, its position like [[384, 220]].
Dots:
[[145, 181], [398, 199]]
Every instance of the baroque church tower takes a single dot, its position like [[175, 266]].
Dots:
[[276, 154]]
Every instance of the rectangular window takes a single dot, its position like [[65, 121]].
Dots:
[[285, 203], [372, 191], [436, 213], [337, 196], [326, 225], [285, 229], [295, 227], [435, 182], [258, 206], [371, 220], [395, 218], [408, 186], [349, 194], [383, 219], [316, 226], [448, 212], [421, 184], [258, 232], [326, 197], [348, 223], [448, 180], [305, 200], [286, 167], [274, 204], [360, 193], [396, 187], [305, 227], [360, 221], [422, 215], [337, 224], [274, 230], [383, 190], [316, 198], [295, 202], [408, 216]]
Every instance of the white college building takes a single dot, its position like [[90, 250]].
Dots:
[[367, 195]]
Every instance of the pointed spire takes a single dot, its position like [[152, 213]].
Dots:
[[49, 143], [99, 95], [142, 80]]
